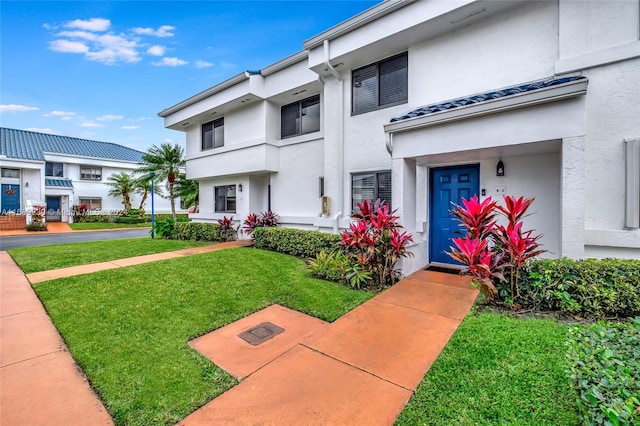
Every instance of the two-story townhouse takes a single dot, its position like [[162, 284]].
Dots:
[[63, 171], [425, 102]]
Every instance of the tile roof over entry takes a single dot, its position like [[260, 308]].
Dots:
[[27, 145], [487, 96], [58, 182]]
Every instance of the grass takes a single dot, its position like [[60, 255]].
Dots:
[[84, 226], [128, 328], [497, 370], [44, 258]]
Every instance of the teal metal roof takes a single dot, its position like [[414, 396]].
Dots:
[[26, 145], [58, 182]]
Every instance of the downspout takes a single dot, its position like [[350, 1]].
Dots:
[[389, 143], [336, 74]]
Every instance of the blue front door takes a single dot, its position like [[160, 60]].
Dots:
[[53, 209], [448, 186], [10, 198]]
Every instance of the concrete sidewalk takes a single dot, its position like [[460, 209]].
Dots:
[[40, 384]]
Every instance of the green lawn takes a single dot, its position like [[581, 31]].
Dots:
[[497, 370], [128, 328], [83, 226], [44, 258]]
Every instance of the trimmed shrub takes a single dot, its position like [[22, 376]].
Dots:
[[129, 219], [589, 288], [164, 228], [96, 218], [604, 366], [296, 242], [37, 227], [198, 231]]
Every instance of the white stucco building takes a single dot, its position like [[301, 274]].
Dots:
[[417, 102], [63, 171]]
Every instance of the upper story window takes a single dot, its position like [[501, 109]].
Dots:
[[90, 173], [370, 186], [380, 85], [53, 169], [225, 199], [213, 134], [300, 117], [11, 173]]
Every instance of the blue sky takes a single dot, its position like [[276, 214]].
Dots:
[[103, 70]]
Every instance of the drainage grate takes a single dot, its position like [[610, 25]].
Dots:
[[260, 333]]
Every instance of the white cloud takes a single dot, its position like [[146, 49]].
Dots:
[[64, 115], [93, 24], [170, 62], [203, 64], [129, 127], [91, 124], [13, 108], [108, 48], [68, 46], [227, 65], [43, 130], [142, 119], [109, 117], [156, 50], [163, 31]]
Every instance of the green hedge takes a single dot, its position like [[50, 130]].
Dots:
[[604, 366], [198, 231], [296, 242], [129, 219], [108, 218], [589, 288]]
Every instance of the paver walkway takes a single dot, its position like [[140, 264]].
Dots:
[[360, 370]]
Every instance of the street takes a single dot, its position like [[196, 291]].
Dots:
[[15, 241]]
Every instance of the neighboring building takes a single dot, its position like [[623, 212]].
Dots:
[[418, 102], [63, 171]]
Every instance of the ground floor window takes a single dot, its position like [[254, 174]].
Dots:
[[225, 198], [370, 186], [92, 203], [11, 173]]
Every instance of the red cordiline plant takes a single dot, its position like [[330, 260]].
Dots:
[[227, 232], [489, 249], [376, 242], [265, 219]]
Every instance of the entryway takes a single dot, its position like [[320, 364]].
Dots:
[[10, 198], [53, 209], [448, 185]]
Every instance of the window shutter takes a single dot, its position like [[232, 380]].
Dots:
[[384, 187], [289, 120], [365, 89], [394, 80]]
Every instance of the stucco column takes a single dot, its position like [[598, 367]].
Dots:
[[403, 180], [572, 203], [334, 181]]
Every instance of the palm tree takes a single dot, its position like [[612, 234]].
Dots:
[[122, 185], [165, 162], [189, 192], [143, 187]]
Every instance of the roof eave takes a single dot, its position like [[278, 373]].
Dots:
[[356, 22], [521, 100], [204, 94], [284, 63]]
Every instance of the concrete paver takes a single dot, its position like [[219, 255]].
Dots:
[[239, 358], [395, 343], [304, 387]]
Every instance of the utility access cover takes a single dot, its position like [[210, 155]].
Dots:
[[260, 333]]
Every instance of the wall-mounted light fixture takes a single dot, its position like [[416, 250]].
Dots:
[[26, 185], [239, 187], [500, 168]]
